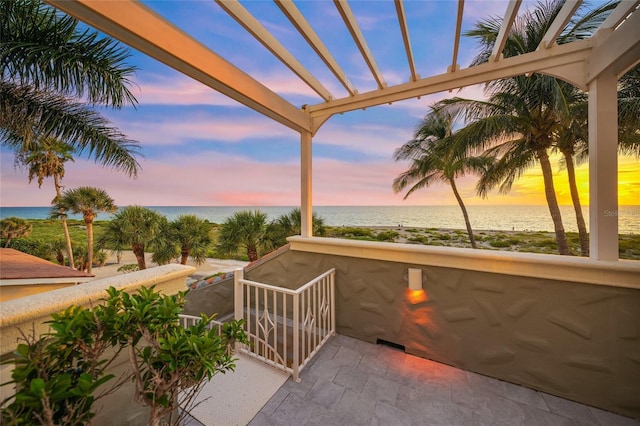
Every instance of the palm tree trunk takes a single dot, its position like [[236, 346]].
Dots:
[[472, 240], [185, 256], [89, 245], [575, 197], [252, 253], [138, 250], [63, 219], [552, 201]]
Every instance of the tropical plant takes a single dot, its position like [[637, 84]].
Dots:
[[136, 227], [243, 230], [192, 235], [523, 115], [59, 376], [46, 65], [14, 227], [436, 158], [43, 159], [290, 224], [87, 201], [170, 362], [57, 247]]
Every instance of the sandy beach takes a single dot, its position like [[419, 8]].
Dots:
[[209, 267]]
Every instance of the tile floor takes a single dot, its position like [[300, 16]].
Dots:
[[351, 382]]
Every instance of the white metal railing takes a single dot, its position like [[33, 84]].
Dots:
[[189, 320], [286, 327]]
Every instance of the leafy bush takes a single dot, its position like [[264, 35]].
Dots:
[[56, 376], [499, 243], [387, 236]]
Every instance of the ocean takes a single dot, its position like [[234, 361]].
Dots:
[[519, 218]]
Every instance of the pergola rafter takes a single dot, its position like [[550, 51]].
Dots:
[[593, 65]]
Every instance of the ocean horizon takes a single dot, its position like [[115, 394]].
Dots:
[[484, 217]]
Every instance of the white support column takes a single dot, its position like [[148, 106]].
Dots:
[[603, 167], [306, 209]]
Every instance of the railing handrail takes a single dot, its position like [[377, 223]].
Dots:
[[287, 290]]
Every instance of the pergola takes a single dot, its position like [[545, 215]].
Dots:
[[593, 64]]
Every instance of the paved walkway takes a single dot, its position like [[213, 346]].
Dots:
[[351, 382]]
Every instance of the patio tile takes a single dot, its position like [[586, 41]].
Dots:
[[373, 365], [325, 393], [347, 356], [351, 378], [381, 389], [272, 405], [570, 409], [359, 406], [606, 418], [385, 415], [507, 390], [293, 411]]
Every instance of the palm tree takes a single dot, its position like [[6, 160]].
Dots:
[[46, 159], [435, 158], [524, 114], [290, 224], [134, 226], [14, 227], [87, 201], [193, 237], [46, 65], [244, 230]]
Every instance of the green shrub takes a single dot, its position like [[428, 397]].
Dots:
[[387, 236], [499, 243]]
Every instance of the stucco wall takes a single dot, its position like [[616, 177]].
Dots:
[[575, 340]]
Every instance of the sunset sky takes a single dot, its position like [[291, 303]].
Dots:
[[201, 148]]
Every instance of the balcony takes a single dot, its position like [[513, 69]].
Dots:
[[490, 336]]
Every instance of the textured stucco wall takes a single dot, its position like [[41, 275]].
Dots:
[[578, 341]]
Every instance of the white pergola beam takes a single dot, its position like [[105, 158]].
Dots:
[[616, 51], [255, 28], [404, 29], [351, 23], [139, 27], [304, 28], [563, 56], [558, 25], [619, 14], [456, 39], [509, 16]]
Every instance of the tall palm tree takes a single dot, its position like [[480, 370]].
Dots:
[[134, 226], [523, 114], [436, 158], [47, 65], [244, 230], [87, 201], [46, 159]]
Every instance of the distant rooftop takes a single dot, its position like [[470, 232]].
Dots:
[[23, 268]]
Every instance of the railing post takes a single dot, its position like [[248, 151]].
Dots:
[[238, 297], [332, 287], [296, 336]]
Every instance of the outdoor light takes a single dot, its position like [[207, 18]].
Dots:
[[415, 279]]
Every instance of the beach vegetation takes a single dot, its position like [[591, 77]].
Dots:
[[245, 231], [137, 228], [14, 227], [188, 236], [87, 201], [290, 224], [387, 236], [435, 158]]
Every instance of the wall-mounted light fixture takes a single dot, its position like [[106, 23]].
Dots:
[[415, 279]]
